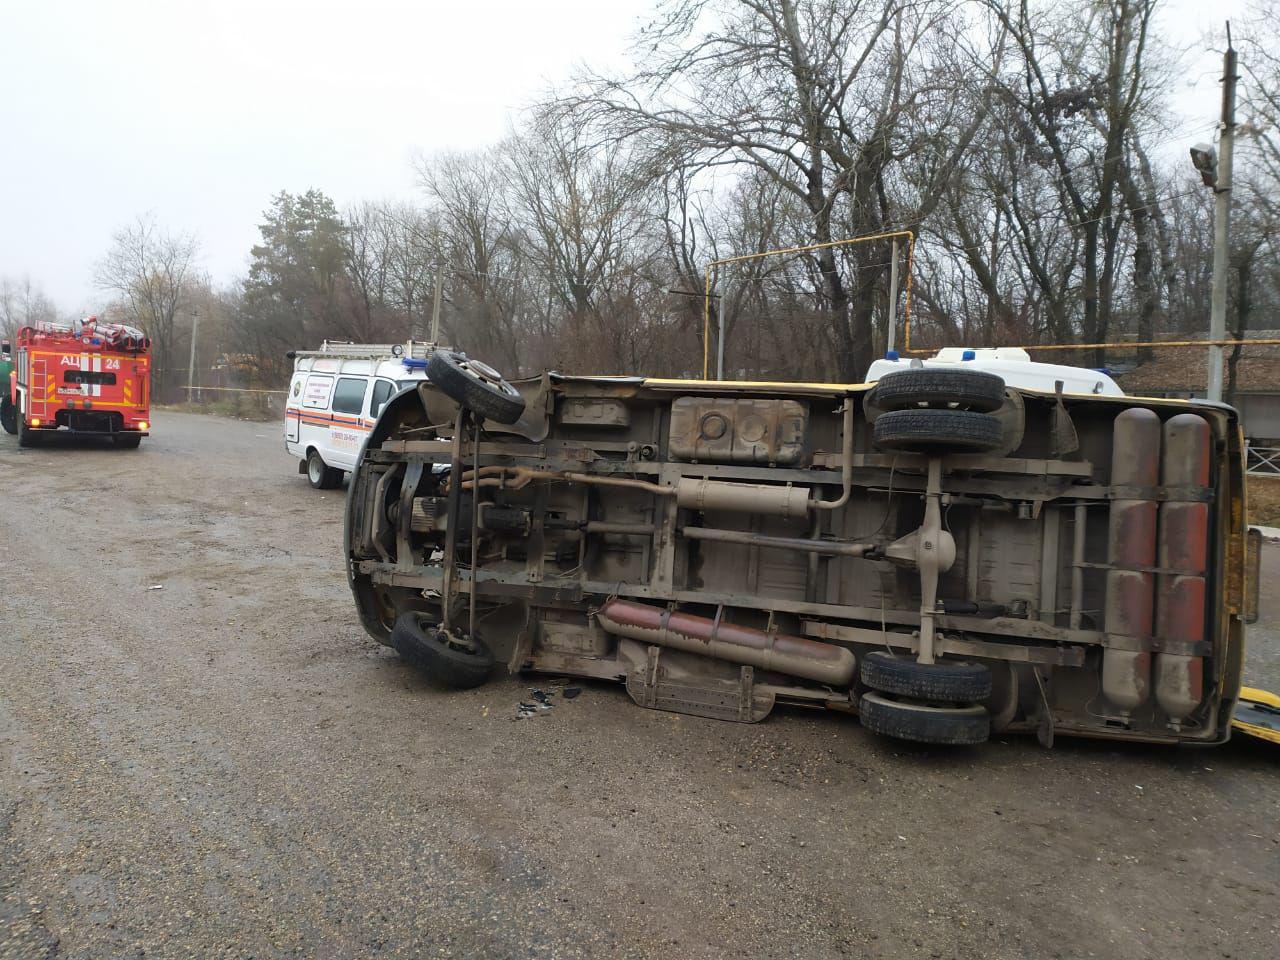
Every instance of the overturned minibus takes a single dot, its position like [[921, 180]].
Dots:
[[944, 553]]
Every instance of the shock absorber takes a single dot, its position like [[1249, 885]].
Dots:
[[1183, 553]]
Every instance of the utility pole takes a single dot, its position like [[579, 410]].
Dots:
[[1222, 221], [191, 363], [435, 304]]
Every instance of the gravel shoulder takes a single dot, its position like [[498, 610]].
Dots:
[[228, 767]]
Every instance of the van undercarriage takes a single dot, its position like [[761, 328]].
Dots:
[[946, 557]]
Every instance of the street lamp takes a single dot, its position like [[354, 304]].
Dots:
[[1205, 159]]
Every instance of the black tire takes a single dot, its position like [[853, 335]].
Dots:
[[8, 416], [27, 437], [905, 720], [950, 681], [476, 386], [937, 431], [319, 474], [418, 638], [128, 441], [934, 387]]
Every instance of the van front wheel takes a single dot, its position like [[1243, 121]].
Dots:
[[320, 475]]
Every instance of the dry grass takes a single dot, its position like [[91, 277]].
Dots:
[[246, 410], [1264, 501]]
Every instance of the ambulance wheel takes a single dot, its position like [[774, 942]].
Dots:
[[476, 386], [320, 475], [461, 664], [127, 441], [8, 416]]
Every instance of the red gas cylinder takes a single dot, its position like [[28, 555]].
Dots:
[[1131, 553], [1184, 552]]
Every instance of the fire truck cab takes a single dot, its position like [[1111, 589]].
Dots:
[[86, 377]]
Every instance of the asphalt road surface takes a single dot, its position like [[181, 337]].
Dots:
[[202, 755]]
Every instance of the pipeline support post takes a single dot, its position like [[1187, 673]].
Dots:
[[1222, 225]]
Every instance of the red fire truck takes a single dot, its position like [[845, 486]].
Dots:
[[87, 376]]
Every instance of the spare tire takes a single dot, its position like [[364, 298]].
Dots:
[[939, 387], [953, 681], [905, 720], [937, 431], [476, 386], [417, 637]]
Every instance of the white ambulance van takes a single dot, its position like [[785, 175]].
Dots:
[[1013, 364], [335, 397]]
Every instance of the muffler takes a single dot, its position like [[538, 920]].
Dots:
[[779, 652]]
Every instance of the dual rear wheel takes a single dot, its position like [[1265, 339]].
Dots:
[[937, 411], [937, 702]]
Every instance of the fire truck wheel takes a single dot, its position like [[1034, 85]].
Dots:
[[418, 638], [476, 386], [127, 441], [26, 436], [320, 475], [8, 416]]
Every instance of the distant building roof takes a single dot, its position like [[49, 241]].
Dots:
[[1185, 370]]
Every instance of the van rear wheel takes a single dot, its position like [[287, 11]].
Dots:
[[319, 474], [924, 722]]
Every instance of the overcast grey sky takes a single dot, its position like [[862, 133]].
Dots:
[[200, 112]]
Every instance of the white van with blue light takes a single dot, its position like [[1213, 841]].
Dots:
[[1013, 364], [335, 396]]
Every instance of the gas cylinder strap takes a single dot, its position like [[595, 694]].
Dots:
[[1182, 648], [1121, 491]]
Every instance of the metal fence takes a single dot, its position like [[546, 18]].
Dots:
[[1262, 461]]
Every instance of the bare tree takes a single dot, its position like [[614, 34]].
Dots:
[[1080, 94], [23, 303], [827, 98], [149, 268]]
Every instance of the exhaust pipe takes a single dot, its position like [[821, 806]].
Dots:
[[779, 652]]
